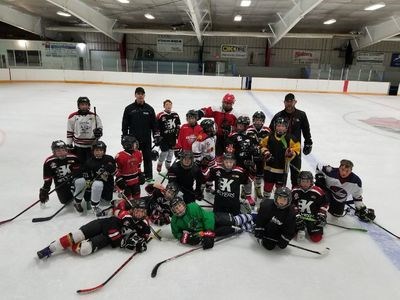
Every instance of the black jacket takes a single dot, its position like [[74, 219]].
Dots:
[[297, 123], [139, 121]]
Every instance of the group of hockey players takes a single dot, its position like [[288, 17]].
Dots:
[[217, 155]]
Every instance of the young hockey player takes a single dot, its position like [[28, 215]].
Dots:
[[276, 221], [83, 129], [99, 171], [297, 124], [204, 148], [245, 148], [129, 176], [62, 167], [278, 150], [311, 206], [185, 173], [158, 201], [191, 224], [257, 131], [339, 184], [127, 230], [188, 133], [225, 120], [169, 124], [227, 178]]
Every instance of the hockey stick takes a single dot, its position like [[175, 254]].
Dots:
[[89, 290], [155, 268], [321, 252], [32, 205], [380, 226], [311, 219]]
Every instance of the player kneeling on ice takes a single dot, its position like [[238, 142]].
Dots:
[[338, 184], [192, 225], [276, 221], [311, 206], [128, 230]]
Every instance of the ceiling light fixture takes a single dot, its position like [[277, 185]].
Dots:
[[149, 16], [63, 14], [123, 1], [329, 22], [237, 18], [245, 3], [375, 6]]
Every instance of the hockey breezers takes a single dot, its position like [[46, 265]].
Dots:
[[155, 268], [89, 290]]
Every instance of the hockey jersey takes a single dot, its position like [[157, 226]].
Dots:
[[57, 169], [128, 166], [168, 125], [80, 129], [310, 202], [187, 136], [223, 120]]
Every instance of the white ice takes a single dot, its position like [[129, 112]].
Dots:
[[359, 265]]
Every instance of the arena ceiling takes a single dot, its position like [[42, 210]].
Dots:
[[273, 19]]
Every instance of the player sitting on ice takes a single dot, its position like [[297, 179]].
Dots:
[[99, 172], [311, 207], [158, 201], [338, 184], [62, 167], [191, 224], [129, 174], [126, 230], [276, 221]]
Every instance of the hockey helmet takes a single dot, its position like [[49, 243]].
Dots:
[[228, 161], [178, 206], [171, 190], [100, 145], [228, 99], [245, 120], [280, 121], [283, 197], [59, 144], [139, 208], [83, 100], [259, 115], [192, 113], [208, 127], [154, 155], [305, 176], [186, 159], [128, 142]]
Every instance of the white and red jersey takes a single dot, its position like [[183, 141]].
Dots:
[[80, 129], [128, 166], [256, 134], [221, 118], [187, 136], [203, 147]]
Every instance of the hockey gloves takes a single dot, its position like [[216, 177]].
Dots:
[[299, 222], [208, 239], [259, 232], [142, 178], [133, 241], [365, 214], [43, 195], [190, 238], [321, 220], [98, 132], [307, 147], [282, 242]]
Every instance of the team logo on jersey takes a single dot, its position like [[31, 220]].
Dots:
[[191, 138], [305, 206], [339, 193], [225, 184], [53, 165], [170, 124], [276, 221]]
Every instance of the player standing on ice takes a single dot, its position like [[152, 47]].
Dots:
[[99, 171], [311, 207], [225, 120], [192, 225], [168, 124], [62, 167], [276, 221], [339, 184], [257, 131], [83, 129], [127, 230], [188, 133]]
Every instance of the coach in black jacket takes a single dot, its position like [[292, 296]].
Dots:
[[139, 120]]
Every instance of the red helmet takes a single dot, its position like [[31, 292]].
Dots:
[[229, 99]]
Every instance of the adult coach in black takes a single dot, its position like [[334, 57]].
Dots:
[[139, 120], [297, 124]]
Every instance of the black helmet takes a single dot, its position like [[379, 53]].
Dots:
[[83, 100], [283, 192], [128, 142], [208, 126], [100, 145], [245, 120], [192, 113], [174, 202], [306, 175], [259, 115], [154, 155], [173, 187], [59, 144], [139, 203], [186, 154], [281, 121]]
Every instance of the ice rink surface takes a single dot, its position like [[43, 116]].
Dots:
[[364, 129]]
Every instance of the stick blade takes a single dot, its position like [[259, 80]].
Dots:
[[36, 220], [155, 269], [89, 290], [324, 251]]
